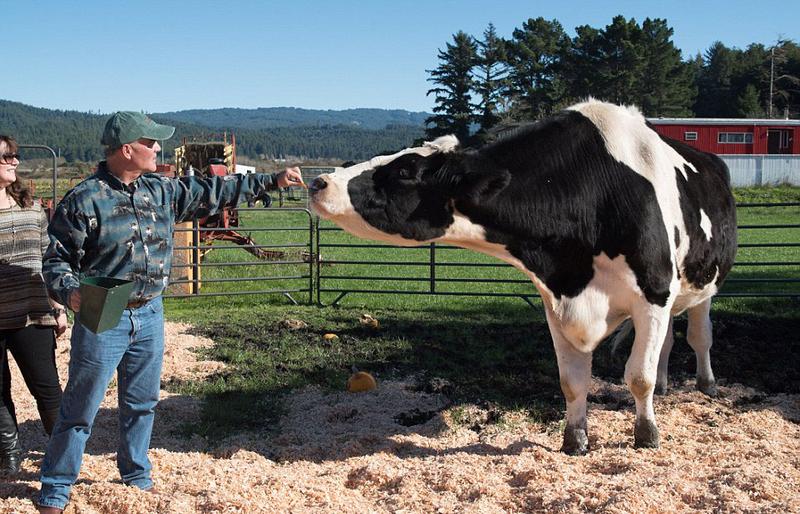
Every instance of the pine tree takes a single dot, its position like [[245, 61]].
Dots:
[[715, 98], [667, 82], [454, 110], [620, 77], [748, 104], [490, 75], [583, 58], [535, 54]]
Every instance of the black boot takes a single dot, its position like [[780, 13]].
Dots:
[[10, 449]]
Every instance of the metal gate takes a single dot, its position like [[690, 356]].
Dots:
[[281, 261]]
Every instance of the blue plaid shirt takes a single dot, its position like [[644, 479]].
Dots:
[[103, 227]]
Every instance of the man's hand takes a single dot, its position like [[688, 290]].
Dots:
[[61, 322], [290, 177], [75, 300]]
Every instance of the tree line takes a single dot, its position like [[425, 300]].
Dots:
[[481, 82], [76, 136]]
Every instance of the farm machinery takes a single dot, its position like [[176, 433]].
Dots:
[[215, 158]]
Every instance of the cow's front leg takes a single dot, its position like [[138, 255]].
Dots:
[[662, 377], [651, 325], [575, 372], [698, 334]]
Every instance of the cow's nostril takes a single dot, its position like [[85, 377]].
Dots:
[[318, 184]]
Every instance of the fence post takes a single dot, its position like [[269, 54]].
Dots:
[[759, 169], [195, 257], [433, 268]]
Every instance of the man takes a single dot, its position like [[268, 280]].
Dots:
[[119, 223]]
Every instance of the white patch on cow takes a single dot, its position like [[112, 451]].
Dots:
[[609, 298], [443, 144], [705, 224], [358, 226], [690, 296]]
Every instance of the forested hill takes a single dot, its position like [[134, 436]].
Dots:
[[76, 135], [269, 117]]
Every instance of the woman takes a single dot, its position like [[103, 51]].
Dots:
[[29, 321]]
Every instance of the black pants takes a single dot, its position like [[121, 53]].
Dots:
[[33, 348]]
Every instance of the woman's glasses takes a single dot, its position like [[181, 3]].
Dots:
[[6, 158]]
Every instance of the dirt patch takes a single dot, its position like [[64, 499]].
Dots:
[[401, 449]]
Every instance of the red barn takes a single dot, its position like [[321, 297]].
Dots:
[[726, 136]]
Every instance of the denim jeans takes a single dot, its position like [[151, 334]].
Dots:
[[135, 349]]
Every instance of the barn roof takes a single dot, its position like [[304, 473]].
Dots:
[[725, 121]]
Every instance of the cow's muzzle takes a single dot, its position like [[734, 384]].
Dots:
[[318, 184]]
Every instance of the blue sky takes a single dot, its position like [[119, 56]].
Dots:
[[102, 56]]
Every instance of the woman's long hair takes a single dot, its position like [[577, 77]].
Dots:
[[21, 194]]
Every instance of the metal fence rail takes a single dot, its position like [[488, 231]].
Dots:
[[742, 287]]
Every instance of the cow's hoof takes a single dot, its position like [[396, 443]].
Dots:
[[707, 387], [661, 388], [576, 442], [645, 434]]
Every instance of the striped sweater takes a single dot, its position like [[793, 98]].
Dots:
[[23, 296]]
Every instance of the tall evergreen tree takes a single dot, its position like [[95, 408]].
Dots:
[[454, 110], [750, 81], [667, 86], [623, 56], [583, 58], [748, 104], [490, 75], [535, 54], [715, 97]]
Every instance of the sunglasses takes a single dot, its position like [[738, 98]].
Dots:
[[6, 158]]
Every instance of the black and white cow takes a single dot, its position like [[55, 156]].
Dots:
[[609, 220]]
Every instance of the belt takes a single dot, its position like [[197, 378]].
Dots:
[[135, 304]]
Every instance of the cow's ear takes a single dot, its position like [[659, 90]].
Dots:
[[464, 177], [481, 182], [480, 187]]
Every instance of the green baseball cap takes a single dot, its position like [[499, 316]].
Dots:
[[128, 126]]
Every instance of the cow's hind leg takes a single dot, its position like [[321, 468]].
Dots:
[[651, 325], [698, 334], [575, 372], [663, 361]]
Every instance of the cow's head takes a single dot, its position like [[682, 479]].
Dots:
[[407, 197]]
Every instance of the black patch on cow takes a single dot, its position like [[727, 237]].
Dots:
[[708, 189], [677, 237], [550, 193]]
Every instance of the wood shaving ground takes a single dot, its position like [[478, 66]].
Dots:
[[342, 452]]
